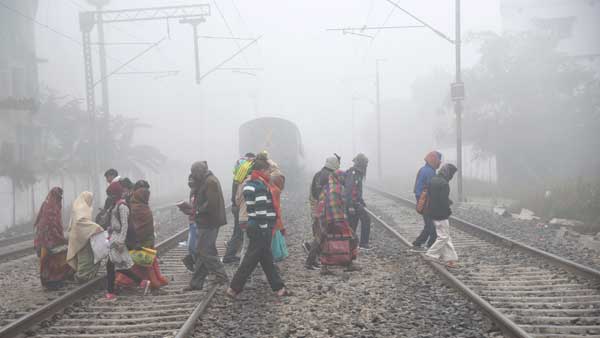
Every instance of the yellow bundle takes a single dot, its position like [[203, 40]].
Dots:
[[143, 257]]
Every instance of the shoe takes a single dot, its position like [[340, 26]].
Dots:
[[109, 297], [145, 285], [352, 268], [230, 259], [306, 246], [452, 265], [190, 289], [365, 248], [312, 267], [188, 261], [231, 293]]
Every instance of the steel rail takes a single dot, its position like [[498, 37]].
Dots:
[[504, 323], [48, 310], [16, 239], [576, 268], [12, 255]]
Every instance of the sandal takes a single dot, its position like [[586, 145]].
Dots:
[[284, 293], [231, 293]]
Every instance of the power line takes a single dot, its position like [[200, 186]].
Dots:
[[228, 28], [55, 31]]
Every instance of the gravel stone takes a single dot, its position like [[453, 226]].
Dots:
[[395, 295]]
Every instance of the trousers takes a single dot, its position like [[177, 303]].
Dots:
[[207, 258], [259, 251], [111, 275], [428, 234], [363, 217], [237, 238], [443, 247]]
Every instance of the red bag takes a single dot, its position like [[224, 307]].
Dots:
[[335, 250]]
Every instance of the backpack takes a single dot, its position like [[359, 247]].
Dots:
[[103, 218]]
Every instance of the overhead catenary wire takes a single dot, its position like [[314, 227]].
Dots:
[[228, 27], [212, 70]]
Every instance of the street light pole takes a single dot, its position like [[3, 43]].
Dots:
[[458, 105]]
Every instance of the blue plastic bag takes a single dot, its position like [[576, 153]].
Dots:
[[278, 247], [192, 238]]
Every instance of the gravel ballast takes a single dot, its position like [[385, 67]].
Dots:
[[395, 295]]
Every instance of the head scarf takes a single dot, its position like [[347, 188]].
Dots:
[[434, 159], [81, 226], [199, 171], [448, 170], [332, 163], [48, 224], [361, 162], [141, 216]]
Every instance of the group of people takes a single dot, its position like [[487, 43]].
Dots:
[[337, 208], [432, 192], [336, 203], [123, 229], [256, 207]]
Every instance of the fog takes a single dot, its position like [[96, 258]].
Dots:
[[312, 76]]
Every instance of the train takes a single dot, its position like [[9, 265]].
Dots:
[[281, 139]]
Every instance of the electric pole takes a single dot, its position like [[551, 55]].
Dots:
[[460, 94], [87, 21], [195, 22]]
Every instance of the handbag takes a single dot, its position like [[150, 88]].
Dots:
[[143, 257], [100, 245], [335, 250], [279, 247]]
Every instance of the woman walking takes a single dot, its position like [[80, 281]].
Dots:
[[119, 259], [50, 243], [81, 228]]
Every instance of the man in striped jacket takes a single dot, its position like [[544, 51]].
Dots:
[[261, 220]]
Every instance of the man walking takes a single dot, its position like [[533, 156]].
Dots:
[[209, 214], [353, 195], [432, 163], [242, 169], [439, 211]]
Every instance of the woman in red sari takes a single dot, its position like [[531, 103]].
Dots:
[[50, 243]]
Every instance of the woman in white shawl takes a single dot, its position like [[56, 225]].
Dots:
[[79, 253]]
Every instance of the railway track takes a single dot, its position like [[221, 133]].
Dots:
[[167, 312], [22, 245], [525, 291]]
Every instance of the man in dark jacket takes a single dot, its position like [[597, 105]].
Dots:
[[209, 214], [438, 209], [242, 169], [432, 163], [353, 197], [318, 182]]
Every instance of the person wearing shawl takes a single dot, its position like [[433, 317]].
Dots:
[[432, 163], [119, 259], [50, 243], [276, 184], [334, 224], [320, 180], [143, 222], [79, 253]]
